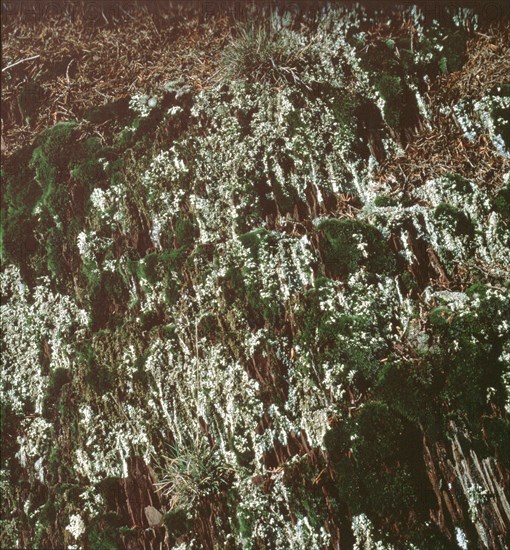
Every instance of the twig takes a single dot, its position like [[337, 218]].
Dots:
[[20, 61], [67, 70]]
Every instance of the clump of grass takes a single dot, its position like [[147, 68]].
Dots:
[[261, 54], [194, 474]]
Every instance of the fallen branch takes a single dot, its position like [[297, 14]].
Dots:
[[20, 61]]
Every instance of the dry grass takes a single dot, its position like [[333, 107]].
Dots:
[[80, 67], [487, 65]]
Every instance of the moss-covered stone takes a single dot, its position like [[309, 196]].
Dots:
[[502, 202], [88, 169], [285, 321], [20, 193], [454, 217], [117, 110], [348, 245], [177, 523]]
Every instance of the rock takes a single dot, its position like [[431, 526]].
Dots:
[[154, 517]]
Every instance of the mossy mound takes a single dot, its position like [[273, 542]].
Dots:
[[348, 245]]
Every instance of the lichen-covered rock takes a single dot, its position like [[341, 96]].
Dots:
[[222, 329]]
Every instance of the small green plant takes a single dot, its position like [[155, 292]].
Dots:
[[87, 168], [408, 390], [104, 530], [177, 523], [19, 195]]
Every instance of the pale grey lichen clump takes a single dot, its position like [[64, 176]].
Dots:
[[263, 342], [142, 104], [482, 240], [486, 116], [28, 318]]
